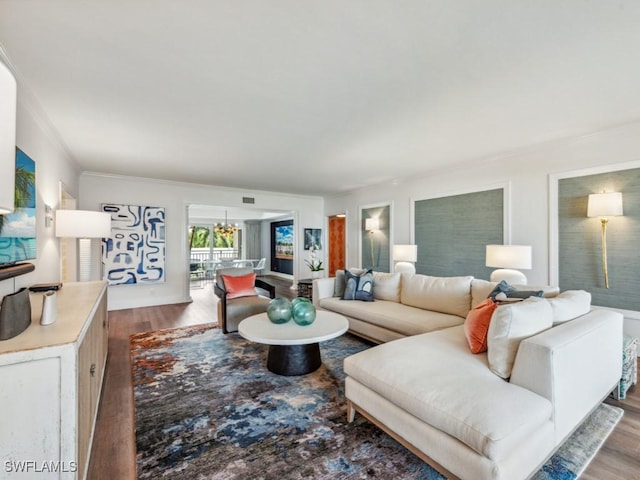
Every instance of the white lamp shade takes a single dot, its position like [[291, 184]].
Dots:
[[508, 256], [405, 253], [8, 92], [604, 204], [82, 224], [371, 224]]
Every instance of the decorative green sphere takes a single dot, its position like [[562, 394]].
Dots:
[[304, 313], [279, 310], [297, 300]]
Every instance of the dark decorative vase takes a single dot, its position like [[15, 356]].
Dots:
[[279, 310], [304, 313]]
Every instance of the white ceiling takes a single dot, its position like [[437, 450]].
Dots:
[[319, 97]]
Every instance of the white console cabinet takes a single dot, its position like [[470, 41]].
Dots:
[[50, 382]]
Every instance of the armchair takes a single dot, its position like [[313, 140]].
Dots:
[[232, 310]]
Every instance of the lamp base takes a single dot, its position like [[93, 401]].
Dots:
[[405, 267], [514, 277]]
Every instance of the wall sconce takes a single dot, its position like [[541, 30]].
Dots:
[[405, 256], [371, 225], [604, 205], [48, 216], [507, 258], [8, 92], [85, 225]]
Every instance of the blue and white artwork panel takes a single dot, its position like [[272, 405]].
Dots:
[[135, 253]]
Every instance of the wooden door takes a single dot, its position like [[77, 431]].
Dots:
[[336, 251]]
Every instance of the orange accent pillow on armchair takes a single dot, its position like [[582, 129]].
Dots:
[[477, 323], [240, 285]]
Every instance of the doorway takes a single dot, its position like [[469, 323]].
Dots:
[[337, 243]]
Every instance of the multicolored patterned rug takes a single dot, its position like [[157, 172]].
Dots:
[[207, 408]]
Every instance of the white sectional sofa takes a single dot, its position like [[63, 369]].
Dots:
[[408, 304], [448, 406]]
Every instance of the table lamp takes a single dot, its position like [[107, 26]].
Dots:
[[405, 256], [508, 258], [84, 225]]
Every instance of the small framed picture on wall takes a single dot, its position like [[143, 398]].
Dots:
[[312, 237]]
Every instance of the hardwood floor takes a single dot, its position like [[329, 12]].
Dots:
[[113, 450]]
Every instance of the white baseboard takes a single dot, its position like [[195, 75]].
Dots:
[[145, 302]]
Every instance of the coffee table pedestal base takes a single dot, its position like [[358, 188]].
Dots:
[[293, 360]]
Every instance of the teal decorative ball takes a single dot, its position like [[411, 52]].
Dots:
[[297, 300], [279, 310], [304, 313]]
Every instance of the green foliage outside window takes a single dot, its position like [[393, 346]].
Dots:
[[200, 237]]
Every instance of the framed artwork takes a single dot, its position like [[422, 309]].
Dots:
[[312, 237], [282, 244], [135, 253], [18, 229]]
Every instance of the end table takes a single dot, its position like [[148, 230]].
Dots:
[[629, 367], [305, 288]]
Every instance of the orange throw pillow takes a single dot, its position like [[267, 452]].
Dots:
[[239, 286], [476, 325]]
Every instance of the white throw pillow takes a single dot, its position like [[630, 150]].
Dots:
[[511, 324], [569, 305], [386, 286]]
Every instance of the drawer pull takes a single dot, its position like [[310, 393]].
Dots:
[[92, 370]]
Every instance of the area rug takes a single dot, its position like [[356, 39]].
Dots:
[[207, 408]]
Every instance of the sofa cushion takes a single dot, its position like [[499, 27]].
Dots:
[[512, 323], [435, 378], [440, 294], [386, 286], [569, 305], [358, 287], [476, 325], [338, 286], [392, 316]]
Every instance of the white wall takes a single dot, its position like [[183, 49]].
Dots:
[[53, 164], [527, 174], [175, 197]]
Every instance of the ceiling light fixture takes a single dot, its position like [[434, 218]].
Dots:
[[225, 229]]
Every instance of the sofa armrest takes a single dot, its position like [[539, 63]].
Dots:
[[322, 288], [574, 365]]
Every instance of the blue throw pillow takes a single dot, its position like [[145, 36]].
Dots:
[[510, 291], [358, 287], [502, 287]]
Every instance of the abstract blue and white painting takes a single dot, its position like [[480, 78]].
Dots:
[[135, 253]]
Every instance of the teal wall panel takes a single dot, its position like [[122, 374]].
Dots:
[[579, 239], [452, 232], [378, 258]]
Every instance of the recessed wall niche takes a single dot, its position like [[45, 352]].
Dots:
[[579, 239], [452, 232]]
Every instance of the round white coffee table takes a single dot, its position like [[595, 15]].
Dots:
[[293, 349]]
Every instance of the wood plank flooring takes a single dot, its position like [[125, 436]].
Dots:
[[113, 450]]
